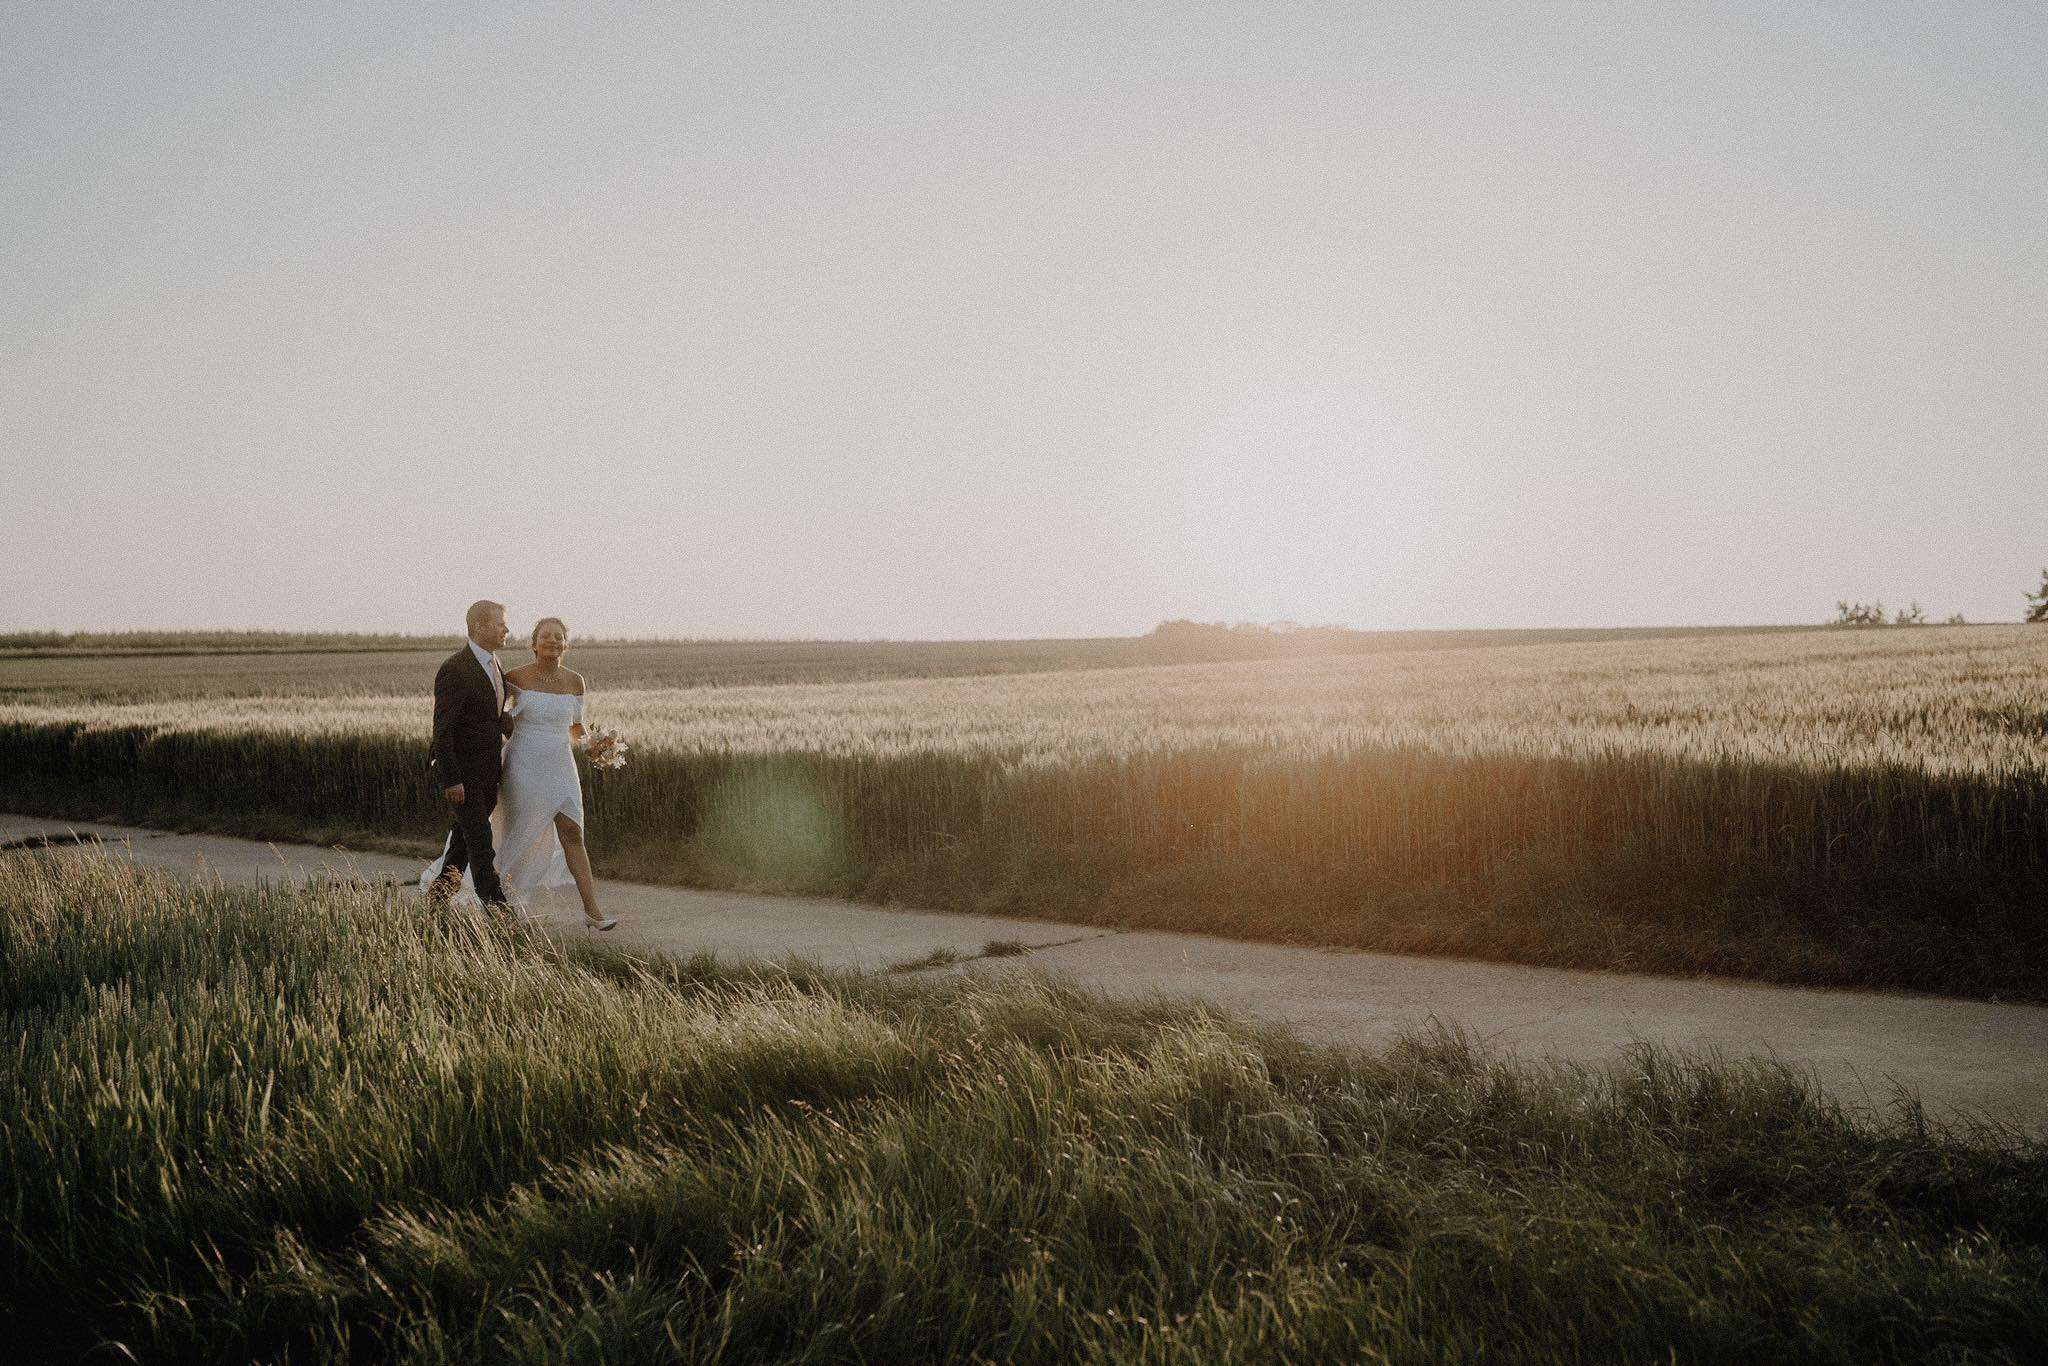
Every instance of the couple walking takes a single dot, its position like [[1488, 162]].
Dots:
[[518, 830]]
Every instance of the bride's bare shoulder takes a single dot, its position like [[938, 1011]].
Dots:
[[518, 677], [575, 681]]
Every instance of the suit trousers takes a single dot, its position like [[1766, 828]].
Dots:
[[469, 843]]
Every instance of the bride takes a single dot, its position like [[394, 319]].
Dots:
[[537, 827]]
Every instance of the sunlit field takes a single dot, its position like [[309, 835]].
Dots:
[[157, 666], [308, 1125], [1853, 808]]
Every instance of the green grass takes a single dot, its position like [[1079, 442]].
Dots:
[[321, 1125]]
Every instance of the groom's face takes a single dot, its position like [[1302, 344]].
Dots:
[[491, 632]]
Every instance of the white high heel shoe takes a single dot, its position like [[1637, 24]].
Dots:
[[608, 923]]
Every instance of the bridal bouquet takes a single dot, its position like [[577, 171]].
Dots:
[[605, 748]]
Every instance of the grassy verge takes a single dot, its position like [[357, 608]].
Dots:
[[320, 1125], [1897, 878]]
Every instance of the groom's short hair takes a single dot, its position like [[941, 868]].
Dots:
[[479, 611]]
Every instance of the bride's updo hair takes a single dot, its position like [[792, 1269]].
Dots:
[[534, 640]]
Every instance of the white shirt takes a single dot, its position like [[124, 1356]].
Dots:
[[490, 663]]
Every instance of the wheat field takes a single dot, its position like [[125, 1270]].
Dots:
[[1829, 806]]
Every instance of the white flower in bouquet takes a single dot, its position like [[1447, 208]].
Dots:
[[605, 748]]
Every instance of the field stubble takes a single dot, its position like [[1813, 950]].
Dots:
[[1835, 808]]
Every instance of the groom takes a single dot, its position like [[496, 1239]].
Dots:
[[469, 736]]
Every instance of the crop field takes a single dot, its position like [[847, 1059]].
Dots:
[[140, 667], [205, 667], [1830, 807], [315, 1125]]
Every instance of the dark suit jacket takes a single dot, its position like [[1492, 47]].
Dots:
[[468, 738]]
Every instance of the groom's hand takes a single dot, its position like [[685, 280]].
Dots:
[[454, 794]]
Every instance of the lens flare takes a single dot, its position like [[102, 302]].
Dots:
[[772, 823]]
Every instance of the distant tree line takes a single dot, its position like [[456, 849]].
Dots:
[[1873, 613], [1184, 639]]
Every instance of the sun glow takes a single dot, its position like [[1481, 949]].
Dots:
[[1310, 502]]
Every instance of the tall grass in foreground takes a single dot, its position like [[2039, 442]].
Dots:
[[322, 1125]]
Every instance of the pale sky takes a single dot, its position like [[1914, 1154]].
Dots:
[[1020, 320]]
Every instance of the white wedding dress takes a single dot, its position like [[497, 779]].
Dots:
[[540, 781]]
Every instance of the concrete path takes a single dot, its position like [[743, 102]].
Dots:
[[1963, 1058]]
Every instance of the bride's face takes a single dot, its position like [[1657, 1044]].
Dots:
[[550, 642]]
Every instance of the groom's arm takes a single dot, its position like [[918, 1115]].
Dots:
[[447, 706]]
